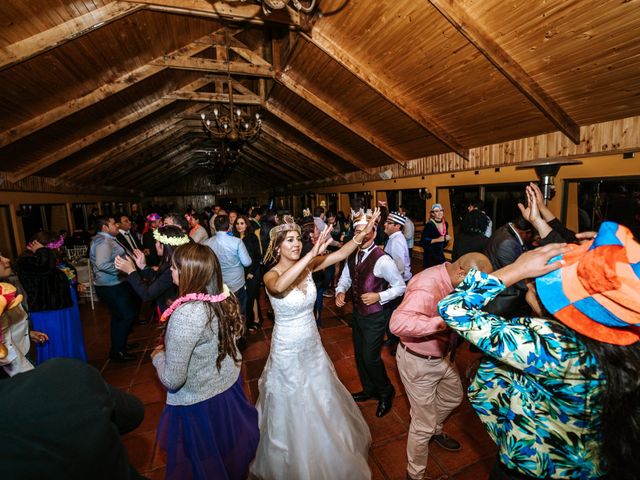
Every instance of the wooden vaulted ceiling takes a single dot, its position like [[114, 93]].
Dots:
[[100, 92]]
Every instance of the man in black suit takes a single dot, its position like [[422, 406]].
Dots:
[[505, 245], [128, 240], [61, 420]]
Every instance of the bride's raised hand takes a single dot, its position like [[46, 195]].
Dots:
[[324, 239]]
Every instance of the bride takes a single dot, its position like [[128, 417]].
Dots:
[[310, 427]]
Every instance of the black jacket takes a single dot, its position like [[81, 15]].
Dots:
[[46, 285], [61, 420], [123, 241], [157, 286]]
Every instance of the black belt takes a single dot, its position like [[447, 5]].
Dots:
[[419, 355]]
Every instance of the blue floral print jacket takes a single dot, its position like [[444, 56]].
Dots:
[[537, 390]]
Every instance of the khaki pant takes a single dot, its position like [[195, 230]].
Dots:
[[434, 390]]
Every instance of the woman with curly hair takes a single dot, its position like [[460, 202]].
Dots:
[[208, 427]]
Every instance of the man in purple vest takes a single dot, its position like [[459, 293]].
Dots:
[[374, 279]]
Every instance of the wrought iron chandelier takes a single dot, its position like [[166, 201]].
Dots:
[[232, 126], [219, 161]]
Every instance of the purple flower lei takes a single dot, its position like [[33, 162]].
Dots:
[[55, 245]]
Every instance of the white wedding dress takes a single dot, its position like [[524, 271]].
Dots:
[[310, 427]]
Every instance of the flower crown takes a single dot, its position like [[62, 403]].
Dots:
[[173, 241], [55, 245], [195, 297]]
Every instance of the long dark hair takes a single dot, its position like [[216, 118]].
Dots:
[[200, 273], [620, 406]]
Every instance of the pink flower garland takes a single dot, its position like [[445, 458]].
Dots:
[[56, 245], [194, 297]]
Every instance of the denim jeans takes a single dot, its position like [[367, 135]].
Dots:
[[121, 304]]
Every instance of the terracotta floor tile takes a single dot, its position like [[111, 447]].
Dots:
[[346, 346], [384, 428], [149, 392], [157, 474], [254, 368], [152, 413], [256, 349], [140, 448], [120, 376], [159, 458], [334, 351], [346, 369], [477, 471], [336, 333], [392, 459]]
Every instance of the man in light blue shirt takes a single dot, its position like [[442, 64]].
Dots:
[[233, 257], [110, 287]]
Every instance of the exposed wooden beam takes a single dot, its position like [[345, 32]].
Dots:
[[266, 169], [457, 16], [336, 150], [69, 108], [96, 135], [340, 117], [307, 154], [104, 160], [207, 65], [367, 76], [204, 97], [35, 45], [157, 166], [168, 169], [236, 12], [273, 158]]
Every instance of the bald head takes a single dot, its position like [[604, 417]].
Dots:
[[459, 269]]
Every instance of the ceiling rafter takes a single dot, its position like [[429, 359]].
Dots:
[[367, 76], [273, 156], [102, 132], [35, 45], [199, 64], [105, 159], [239, 12], [340, 152], [260, 166], [307, 154], [124, 81], [507, 66], [159, 165], [286, 81], [205, 97]]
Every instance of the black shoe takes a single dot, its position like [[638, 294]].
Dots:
[[362, 396], [132, 345], [241, 343], [446, 442], [384, 407], [121, 357]]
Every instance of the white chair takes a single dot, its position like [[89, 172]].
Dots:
[[85, 278], [75, 254]]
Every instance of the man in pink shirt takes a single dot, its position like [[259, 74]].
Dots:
[[429, 377]]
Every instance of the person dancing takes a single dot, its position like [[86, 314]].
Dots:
[[310, 427], [208, 427]]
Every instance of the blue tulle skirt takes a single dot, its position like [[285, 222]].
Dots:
[[64, 329], [213, 439]]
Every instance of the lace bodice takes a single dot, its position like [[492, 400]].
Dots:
[[295, 307]]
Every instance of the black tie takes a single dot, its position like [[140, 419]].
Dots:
[[360, 256]]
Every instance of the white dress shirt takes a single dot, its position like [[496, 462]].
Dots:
[[397, 247], [383, 268]]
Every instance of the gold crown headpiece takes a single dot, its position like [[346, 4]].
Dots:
[[360, 217], [288, 224]]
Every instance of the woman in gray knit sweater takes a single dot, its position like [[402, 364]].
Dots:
[[208, 427]]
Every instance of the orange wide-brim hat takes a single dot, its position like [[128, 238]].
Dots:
[[597, 290]]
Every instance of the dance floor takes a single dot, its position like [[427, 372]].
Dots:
[[387, 457]]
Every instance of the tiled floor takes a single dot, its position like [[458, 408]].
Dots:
[[387, 456]]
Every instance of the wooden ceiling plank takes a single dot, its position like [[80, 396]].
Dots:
[[99, 134], [276, 160], [266, 169], [104, 159], [304, 152], [340, 117], [167, 170], [340, 152], [35, 45], [205, 97], [236, 12], [367, 76], [507, 66], [207, 65], [156, 164], [69, 108]]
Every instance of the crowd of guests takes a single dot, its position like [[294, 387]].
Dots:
[[554, 314]]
